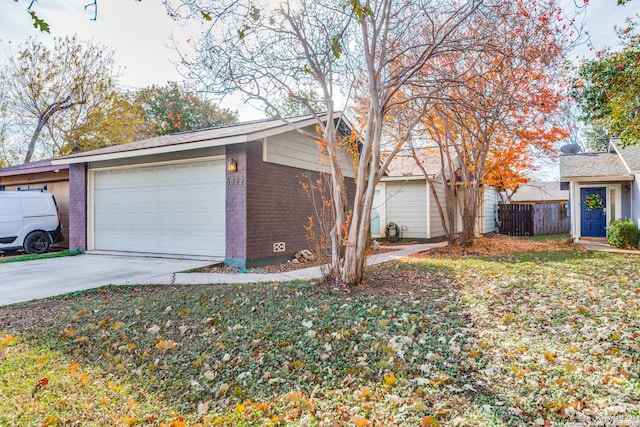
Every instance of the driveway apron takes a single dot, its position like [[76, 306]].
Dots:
[[28, 280]]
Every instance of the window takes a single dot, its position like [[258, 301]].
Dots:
[[612, 205]]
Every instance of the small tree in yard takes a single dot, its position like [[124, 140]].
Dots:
[[321, 45], [498, 105]]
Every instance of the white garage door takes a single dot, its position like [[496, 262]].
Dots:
[[167, 209]]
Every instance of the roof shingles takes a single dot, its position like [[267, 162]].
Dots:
[[590, 165], [221, 132], [404, 165]]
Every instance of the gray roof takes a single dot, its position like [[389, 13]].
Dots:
[[30, 165], [540, 192], [591, 165], [404, 165], [223, 133], [36, 166], [631, 157]]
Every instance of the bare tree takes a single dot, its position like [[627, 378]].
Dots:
[[63, 84], [323, 45]]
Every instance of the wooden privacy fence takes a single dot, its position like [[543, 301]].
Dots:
[[534, 219]]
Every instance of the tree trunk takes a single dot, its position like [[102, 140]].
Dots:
[[339, 196], [61, 105], [32, 143], [448, 219], [366, 180], [469, 215]]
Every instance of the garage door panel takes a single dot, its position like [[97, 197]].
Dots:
[[176, 209]]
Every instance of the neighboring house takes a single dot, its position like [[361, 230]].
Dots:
[[232, 193], [41, 174], [404, 198], [540, 192], [611, 177]]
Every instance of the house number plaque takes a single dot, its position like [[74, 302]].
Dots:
[[236, 180]]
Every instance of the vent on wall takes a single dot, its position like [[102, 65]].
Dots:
[[279, 247]]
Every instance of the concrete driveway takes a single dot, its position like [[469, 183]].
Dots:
[[28, 280]]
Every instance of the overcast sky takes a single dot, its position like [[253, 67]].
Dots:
[[139, 32]]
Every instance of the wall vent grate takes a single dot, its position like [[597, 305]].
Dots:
[[279, 247]]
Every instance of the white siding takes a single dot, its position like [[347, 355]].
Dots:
[[635, 200], [574, 206], [486, 210], [459, 203], [435, 221], [299, 151], [406, 205]]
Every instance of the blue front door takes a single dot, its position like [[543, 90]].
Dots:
[[593, 220]]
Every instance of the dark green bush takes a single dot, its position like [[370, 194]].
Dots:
[[623, 233]]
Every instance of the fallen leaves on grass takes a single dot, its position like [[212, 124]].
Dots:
[[41, 383], [164, 344], [500, 338]]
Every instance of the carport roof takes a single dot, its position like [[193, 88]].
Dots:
[[204, 138], [31, 167]]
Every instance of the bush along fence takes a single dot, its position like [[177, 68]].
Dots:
[[535, 219]]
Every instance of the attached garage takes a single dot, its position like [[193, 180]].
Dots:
[[167, 208], [231, 193]]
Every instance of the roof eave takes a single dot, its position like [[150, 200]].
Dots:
[[39, 169], [153, 150], [609, 178], [193, 145], [286, 127], [405, 178]]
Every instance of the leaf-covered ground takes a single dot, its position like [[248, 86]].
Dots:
[[493, 337]]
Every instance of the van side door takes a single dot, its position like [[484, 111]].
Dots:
[[11, 222]]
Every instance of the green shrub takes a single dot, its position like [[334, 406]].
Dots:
[[623, 233]]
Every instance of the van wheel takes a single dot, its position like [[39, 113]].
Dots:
[[37, 242]]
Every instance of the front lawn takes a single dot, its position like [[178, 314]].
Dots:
[[30, 257], [488, 337]]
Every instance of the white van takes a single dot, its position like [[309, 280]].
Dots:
[[29, 220]]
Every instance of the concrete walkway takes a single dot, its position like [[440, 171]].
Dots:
[[600, 244], [301, 274]]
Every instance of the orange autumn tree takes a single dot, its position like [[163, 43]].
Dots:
[[512, 156], [505, 168], [498, 113]]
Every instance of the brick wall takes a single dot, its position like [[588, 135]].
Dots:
[[236, 207], [78, 206], [278, 208]]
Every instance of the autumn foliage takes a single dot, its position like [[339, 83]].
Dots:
[[606, 88], [495, 115]]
